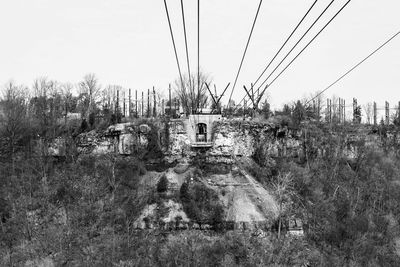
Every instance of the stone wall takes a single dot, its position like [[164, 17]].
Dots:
[[238, 138], [230, 138]]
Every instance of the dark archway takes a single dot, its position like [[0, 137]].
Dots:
[[201, 133]]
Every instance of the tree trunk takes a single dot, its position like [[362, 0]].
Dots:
[[280, 220], [10, 256], [279, 227]]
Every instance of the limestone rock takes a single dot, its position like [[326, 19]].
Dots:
[[144, 129]]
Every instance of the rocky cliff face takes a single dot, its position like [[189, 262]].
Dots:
[[122, 139], [230, 138], [238, 139], [246, 203], [246, 138]]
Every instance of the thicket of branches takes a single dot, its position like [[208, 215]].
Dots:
[[80, 210], [349, 206], [190, 95]]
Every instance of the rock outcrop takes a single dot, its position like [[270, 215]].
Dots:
[[122, 139], [238, 139], [246, 203]]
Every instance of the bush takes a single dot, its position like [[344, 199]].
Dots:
[[92, 119], [84, 126], [162, 185], [282, 121], [201, 203], [184, 192], [5, 210], [153, 150]]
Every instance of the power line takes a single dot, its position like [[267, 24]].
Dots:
[[198, 54], [173, 42], [186, 43], [245, 50], [356, 66], [308, 44], [291, 50], [284, 44]]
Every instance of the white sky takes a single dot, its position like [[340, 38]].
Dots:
[[127, 42]]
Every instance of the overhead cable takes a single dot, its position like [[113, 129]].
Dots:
[[173, 43], [353, 68], [307, 45], [186, 43], [245, 50], [291, 50], [287, 40]]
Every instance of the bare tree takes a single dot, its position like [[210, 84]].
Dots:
[[109, 96], [47, 104], [335, 109], [285, 194], [56, 108], [265, 108], [106, 96], [396, 118], [40, 87], [117, 98], [13, 117], [159, 98], [369, 111], [39, 102], [190, 96], [89, 89], [68, 99], [316, 100]]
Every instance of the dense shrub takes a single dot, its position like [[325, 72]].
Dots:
[[162, 185], [153, 150], [237, 249], [84, 212], [201, 203], [84, 126]]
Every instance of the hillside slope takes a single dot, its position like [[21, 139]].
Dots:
[[246, 203]]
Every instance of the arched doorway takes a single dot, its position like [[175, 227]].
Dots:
[[201, 133]]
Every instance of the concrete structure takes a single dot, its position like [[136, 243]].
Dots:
[[198, 128]]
